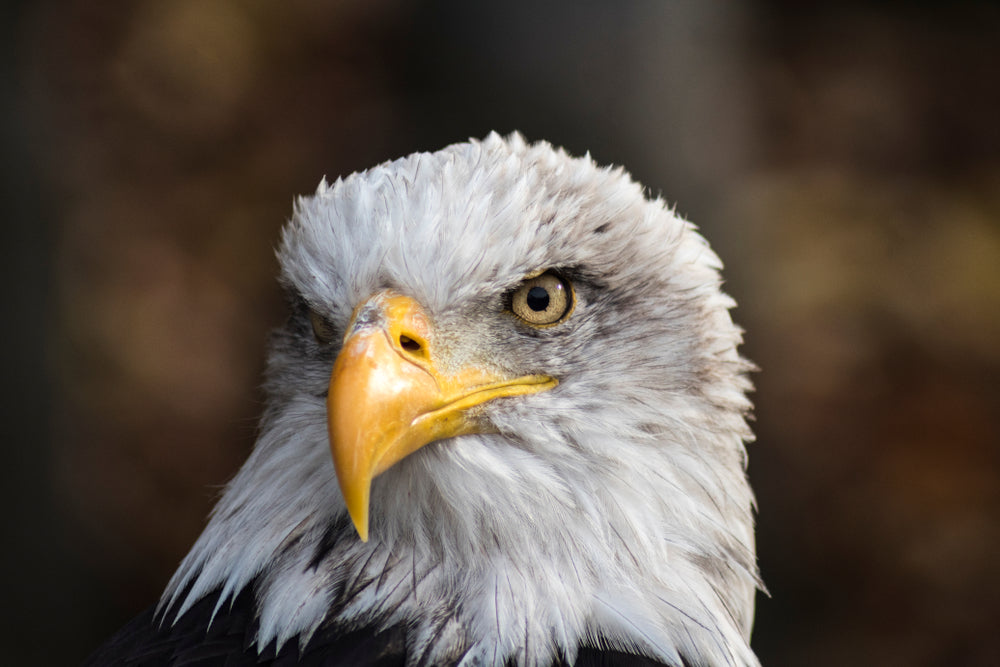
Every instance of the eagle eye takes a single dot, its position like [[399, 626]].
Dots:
[[322, 329], [543, 300]]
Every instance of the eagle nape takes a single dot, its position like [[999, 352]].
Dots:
[[506, 425]]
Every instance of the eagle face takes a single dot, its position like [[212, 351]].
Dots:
[[507, 411]]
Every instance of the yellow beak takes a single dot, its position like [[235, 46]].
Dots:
[[390, 395]]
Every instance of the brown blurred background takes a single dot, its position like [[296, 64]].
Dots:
[[844, 160]]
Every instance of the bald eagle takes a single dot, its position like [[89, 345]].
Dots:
[[505, 425]]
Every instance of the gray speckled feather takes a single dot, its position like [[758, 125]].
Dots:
[[610, 511]]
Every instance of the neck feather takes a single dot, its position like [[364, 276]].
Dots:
[[490, 550]]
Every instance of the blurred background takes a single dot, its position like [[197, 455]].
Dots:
[[843, 159]]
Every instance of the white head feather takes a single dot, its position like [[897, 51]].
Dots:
[[613, 509]]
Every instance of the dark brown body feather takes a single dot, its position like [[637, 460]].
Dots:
[[192, 641]]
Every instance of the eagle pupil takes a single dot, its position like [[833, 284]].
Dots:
[[538, 298]]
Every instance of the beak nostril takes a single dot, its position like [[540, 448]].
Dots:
[[409, 344]]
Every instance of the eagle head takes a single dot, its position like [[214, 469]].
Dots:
[[507, 413]]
